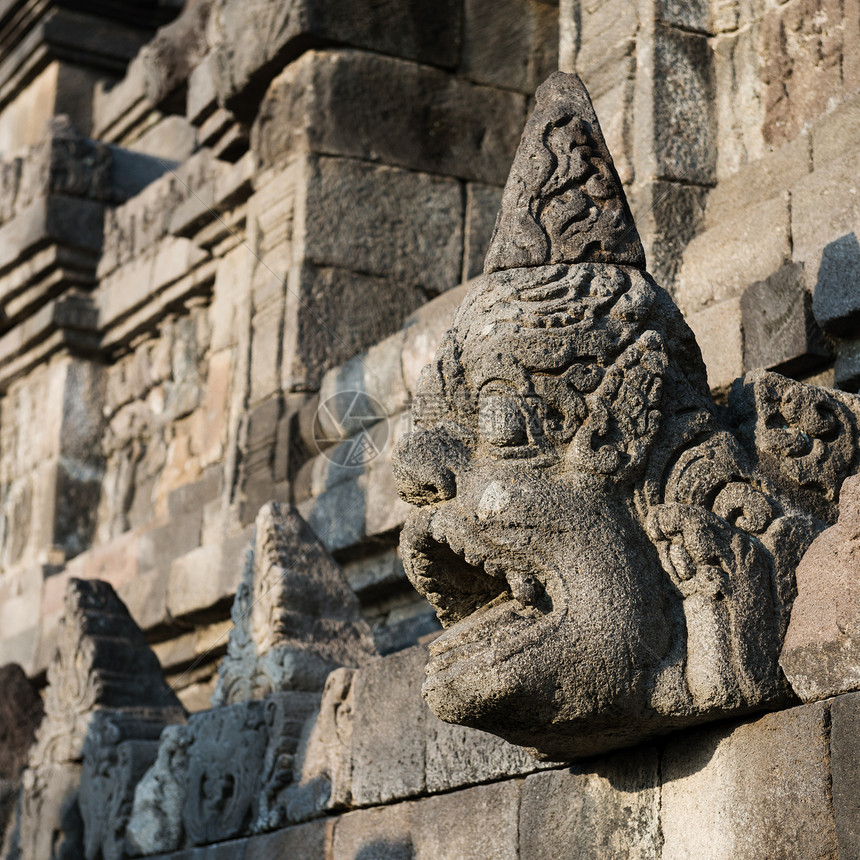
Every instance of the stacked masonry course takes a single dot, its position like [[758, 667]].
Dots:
[[209, 229]]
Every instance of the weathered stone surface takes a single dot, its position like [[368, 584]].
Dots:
[[483, 823], [844, 771], [295, 616], [563, 201], [382, 833], [482, 204], [155, 823], [326, 102], [270, 34], [176, 49], [759, 789], [779, 330], [389, 755], [685, 144], [409, 226], [763, 179], [835, 302], [20, 715], [797, 69], [605, 811], [512, 44], [580, 388], [311, 841], [323, 762], [332, 314], [119, 749], [821, 653], [102, 662], [721, 262]]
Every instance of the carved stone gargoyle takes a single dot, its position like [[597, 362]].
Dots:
[[612, 554]]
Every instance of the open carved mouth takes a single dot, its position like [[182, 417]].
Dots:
[[460, 577], [473, 588]]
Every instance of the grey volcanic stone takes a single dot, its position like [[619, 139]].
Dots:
[[780, 332], [845, 772], [295, 617], [327, 102], [760, 789], [614, 556], [606, 810], [563, 201], [821, 654]]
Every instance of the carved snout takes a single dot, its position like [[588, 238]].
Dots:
[[424, 465]]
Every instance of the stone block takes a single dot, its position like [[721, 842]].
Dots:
[[796, 71], [763, 179], [457, 756], [194, 583], [232, 285], [162, 544], [738, 108], [671, 215], [375, 834], [780, 332], [337, 515], [409, 226], [821, 653], [511, 44], [721, 262], [311, 841], [267, 332], [172, 138], [825, 219], [327, 102], [835, 302], [607, 34], [482, 207], [424, 331], [846, 370], [608, 808], [740, 790], [685, 144], [146, 597], [389, 729], [333, 314], [271, 36], [837, 133], [687, 14], [719, 335], [480, 823], [845, 772]]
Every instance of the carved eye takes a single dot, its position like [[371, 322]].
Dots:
[[501, 420]]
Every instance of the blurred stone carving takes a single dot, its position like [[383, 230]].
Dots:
[[119, 749], [613, 555], [230, 770], [155, 823], [295, 616], [102, 664], [20, 715]]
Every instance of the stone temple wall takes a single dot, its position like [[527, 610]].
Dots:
[[219, 223]]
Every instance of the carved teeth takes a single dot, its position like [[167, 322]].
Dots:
[[524, 588]]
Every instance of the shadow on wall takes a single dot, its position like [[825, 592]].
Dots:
[[836, 303], [386, 850], [836, 306]]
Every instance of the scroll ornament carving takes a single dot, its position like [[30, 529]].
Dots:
[[612, 555]]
